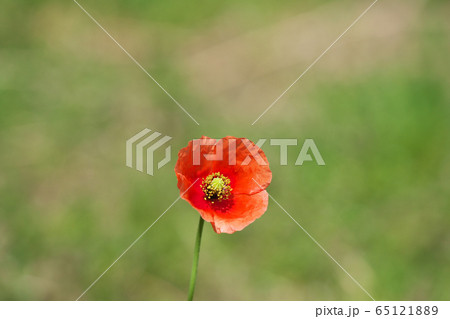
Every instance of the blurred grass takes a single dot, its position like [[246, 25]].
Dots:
[[377, 106]]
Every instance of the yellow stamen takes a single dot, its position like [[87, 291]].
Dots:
[[216, 187]]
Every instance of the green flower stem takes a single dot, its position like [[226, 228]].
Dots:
[[198, 240]]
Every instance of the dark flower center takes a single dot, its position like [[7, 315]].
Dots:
[[216, 187]]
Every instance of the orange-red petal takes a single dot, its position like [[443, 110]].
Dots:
[[247, 174], [230, 215]]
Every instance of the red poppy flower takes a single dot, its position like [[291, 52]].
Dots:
[[224, 181]]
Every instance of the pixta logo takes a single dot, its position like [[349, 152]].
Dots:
[[308, 148], [143, 145], [141, 148]]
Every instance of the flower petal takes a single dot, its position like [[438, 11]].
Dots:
[[229, 215], [244, 211], [185, 164], [245, 164]]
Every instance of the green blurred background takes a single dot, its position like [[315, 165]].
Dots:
[[376, 105]]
